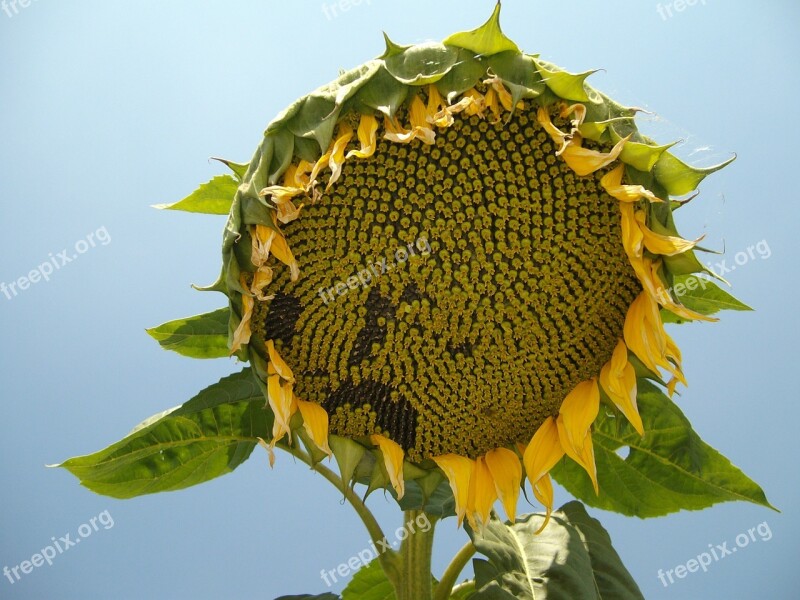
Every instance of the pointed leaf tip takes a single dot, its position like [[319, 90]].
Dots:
[[392, 49], [487, 40]]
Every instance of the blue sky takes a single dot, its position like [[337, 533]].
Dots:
[[110, 107]]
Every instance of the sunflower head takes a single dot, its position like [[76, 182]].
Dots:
[[442, 263]]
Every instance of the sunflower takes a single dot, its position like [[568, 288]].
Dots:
[[447, 260]]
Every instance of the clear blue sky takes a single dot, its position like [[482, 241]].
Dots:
[[109, 107]]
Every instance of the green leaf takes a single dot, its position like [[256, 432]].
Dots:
[[570, 86], [209, 436], [667, 470], [679, 178], [488, 39], [212, 198], [571, 558], [702, 296], [369, 583], [201, 336]]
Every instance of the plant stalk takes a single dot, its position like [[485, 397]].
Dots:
[[416, 552]]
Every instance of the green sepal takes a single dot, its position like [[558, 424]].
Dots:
[[282, 154], [486, 40], [702, 296], [382, 93], [568, 86], [379, 477], [316, 120], [348, 455], [200, 336], [640, 156], [679, 178], [422, 64], [211, 198], [519, 75], [465, 74], [392, 49], [239, 170], [667, 470]]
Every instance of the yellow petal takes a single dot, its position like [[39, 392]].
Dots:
[[578, 411], [280, 194], [648, 275], [261, 280], [583, 455], [482, 494], [435, 103], [644, 332], [493, 103], [584, 161], [281, 400], [288, 212], [506, 471], [262, 237], [632, 237], [618, 379], [393, 460], [458, 470], [280, 249], [559, 137], [322, 162], [543, 452], [337, 157], [242, 334], [367, 130], [277, 362], [612, 182], [543, 491], [666, 245], [315, 422], [477, 102]]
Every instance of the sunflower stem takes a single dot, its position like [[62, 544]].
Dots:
[[448, 581], [388, 559], [416, 580]]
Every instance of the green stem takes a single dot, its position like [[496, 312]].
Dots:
[[448, 581], [389, 558], [416, 581]]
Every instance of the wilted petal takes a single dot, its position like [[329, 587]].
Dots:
[[506, 471], [393, 456]]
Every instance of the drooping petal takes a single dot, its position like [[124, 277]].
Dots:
[[435, 103], [243, 332], [315, 422], [543, 491], [281, 400], [393, 456], [482, 494], [261, 279], [280, 250], [644, 333], [578, 411], [493, 104], [583, 455], [367, 137], [584, 161], [277, 362], [618, 379], [612, 182], [337, 158], [647, 270], [666, 245], [543, 451], [476, 103], [559, 137], [632, 238], [506, 471], [458, 470]]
